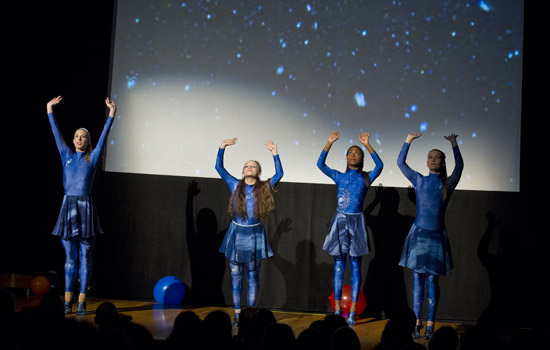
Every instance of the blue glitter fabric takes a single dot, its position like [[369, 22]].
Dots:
[[245, 239], [245, 244], [347, 232], [78, 216], [427, 249]]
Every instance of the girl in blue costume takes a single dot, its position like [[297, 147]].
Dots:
[[427, 251], [78, 224], [245, 244], [347, 233]]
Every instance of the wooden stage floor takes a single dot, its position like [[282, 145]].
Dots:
[[159, 319]]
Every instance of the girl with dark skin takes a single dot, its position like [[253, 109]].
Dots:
[[347, 233]]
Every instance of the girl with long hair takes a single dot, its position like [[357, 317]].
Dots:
[[426, 250], [347, 233], [78, 223], [245, 244]]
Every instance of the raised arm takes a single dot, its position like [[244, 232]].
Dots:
[[278, 167], [332, 137], [229, 180], [364, 139], [112, 107], [409, 173], [53, 102], [453, 179], [59, 141], [96, 153]]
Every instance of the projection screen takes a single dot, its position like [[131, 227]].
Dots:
[[188, 74]]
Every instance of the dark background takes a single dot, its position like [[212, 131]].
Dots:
[[64, 49]]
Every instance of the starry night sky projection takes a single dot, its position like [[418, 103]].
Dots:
[[187, 74]]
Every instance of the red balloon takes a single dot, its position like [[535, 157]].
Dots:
[[40, 285], [345, 303]]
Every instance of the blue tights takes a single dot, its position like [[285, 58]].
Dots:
[[433, 292], [252, 276], [77, 249], [340, 268]]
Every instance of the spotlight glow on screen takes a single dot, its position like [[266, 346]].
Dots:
[[188, 74]]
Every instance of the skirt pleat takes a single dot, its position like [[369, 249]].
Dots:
[[77, 218], [427, 251], [347, 234], [245, 243]]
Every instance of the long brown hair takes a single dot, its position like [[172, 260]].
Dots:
[[262, 193]]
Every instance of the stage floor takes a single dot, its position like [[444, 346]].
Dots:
[[159, 319]]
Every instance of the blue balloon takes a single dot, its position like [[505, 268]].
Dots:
[[169, 290]]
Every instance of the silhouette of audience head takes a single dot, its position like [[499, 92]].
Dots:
[[445, 338], [278, 336], [345, 338], [107, 315]]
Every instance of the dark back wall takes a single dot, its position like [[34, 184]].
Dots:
[[64, 49], [154, 229]]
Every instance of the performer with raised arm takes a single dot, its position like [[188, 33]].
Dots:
[[245, 244], [347, 233], [78, 223], [427, 251]]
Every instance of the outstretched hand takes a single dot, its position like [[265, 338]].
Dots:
[[364, 138], [333, 136], [228, 142], [452, 139], [53, 102], [413, 135], [271, 146], [111, 105]]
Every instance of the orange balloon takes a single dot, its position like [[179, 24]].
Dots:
[[40, 285]]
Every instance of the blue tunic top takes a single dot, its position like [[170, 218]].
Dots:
[[347, 232], [78, 173], [350, 186], [427, 249], [233, 182], [430, 208], [77, 217], [245, 239]]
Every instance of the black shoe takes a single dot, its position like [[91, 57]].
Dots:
[[81, 309], [416, 333], [68, 309], [429, 333], [351, 318]]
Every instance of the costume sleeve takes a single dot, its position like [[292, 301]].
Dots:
[[228, 178], [278, 171], [96, 153], [452, 181], [324, 168], [62, 147], [377, 168], [410, 174]]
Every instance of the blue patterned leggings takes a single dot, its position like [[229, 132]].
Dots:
[[77, 251], [433, 292], [252, 276], [340, 268]]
